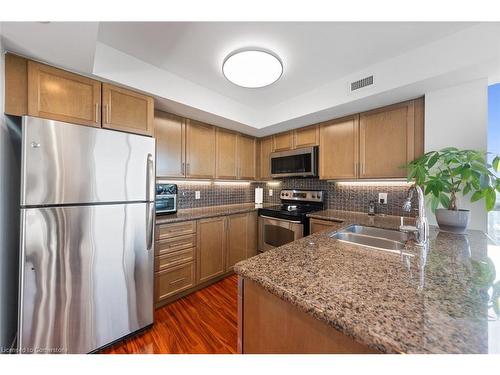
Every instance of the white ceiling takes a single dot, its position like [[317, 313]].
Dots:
[[312, 52], [179, 63]]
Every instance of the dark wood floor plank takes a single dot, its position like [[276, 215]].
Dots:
[[204, 322]]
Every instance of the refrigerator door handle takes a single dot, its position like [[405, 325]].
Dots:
[[150, 184], [150, 211]]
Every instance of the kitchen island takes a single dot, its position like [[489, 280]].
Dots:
[[436, 300]]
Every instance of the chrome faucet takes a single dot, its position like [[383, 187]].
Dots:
[[421, 229]]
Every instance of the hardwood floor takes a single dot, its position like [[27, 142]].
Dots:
[[204, 322]]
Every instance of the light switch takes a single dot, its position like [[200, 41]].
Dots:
[[270, 192], [197, 194]]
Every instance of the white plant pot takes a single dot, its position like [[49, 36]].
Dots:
[[453, 221]]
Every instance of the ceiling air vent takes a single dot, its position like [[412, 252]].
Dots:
[[363, 82]]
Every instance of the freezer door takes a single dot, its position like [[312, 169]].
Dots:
[[86, 276], [69, 164]]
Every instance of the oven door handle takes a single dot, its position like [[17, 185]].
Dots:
[[279, 219]]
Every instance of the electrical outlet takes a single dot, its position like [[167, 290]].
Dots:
[[270, 192], [197, 194], [382, 198]]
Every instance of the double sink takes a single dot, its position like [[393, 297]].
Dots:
[[375, 238]]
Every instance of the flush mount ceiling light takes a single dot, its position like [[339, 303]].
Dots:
[[252, 68]]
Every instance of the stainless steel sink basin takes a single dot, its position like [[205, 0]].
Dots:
[[377, 238]]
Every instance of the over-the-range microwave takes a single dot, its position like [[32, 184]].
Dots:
[[302, 162]]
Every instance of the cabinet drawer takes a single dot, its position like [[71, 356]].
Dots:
[[174, 258], [318, 225], [175, 229], [169, 245], [174, 280]]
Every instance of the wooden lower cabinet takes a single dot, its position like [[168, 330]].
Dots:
[[193, 254], [175, 259], [252, 235], [236, 239], [211, 252], [174, 280], [269, 325], [318, 225], [241, 238]]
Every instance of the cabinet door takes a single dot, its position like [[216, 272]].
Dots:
[[386, 141], [306, 137], [266, 148], [200, 150], [127, 110], [252, 234], [338, 151], [211, 248], [246, 157], [63, 96], [283, 141], [237, 239], [318, 225], [226, 158], [170, 142]]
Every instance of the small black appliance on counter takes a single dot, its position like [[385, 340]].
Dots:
[[166, 199]]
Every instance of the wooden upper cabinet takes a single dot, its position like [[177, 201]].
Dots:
[[211, 256], [283, 141], [338, 153], [16, 85], [303, 137], [200, 150], [170, 145], [306, 137], [127, 110], [226, 154], [63, 96], [387, 140], [246, 157], [266, 148]]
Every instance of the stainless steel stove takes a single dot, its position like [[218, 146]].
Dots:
[[287, 222]]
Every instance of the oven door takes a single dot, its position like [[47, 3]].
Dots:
[[278, 232]]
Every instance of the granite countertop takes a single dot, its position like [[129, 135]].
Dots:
[[437, 300], [206, 212]]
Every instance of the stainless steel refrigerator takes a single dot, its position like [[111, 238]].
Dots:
[[87, 230]]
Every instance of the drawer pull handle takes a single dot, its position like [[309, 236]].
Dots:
[[177, 280]]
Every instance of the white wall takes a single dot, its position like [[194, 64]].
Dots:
[[458, 116]]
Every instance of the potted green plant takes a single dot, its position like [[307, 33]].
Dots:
[[444, 174]]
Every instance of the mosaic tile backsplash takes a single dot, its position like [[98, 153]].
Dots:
[[348, 197]]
